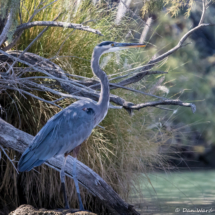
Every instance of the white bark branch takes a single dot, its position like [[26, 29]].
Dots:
[[122, 7], [163, 102], [145, 30], [203, 12], [4, 33], [57, 24]]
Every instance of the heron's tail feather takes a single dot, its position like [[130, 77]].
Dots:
[[28, 161]]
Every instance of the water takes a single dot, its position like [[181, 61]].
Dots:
[[176, 193]]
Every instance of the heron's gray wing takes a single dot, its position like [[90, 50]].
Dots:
[[61, 134]]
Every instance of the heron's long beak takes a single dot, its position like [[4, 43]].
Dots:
[[121, 46], [129, 45]]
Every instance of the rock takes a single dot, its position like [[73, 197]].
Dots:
[[30, 210]]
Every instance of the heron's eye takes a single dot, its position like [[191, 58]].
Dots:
[[112, 44], [88, 110]]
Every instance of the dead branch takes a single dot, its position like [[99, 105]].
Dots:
[[163, 102], [49, 74], [78, 92], [96, 85], [18, 140], [145, 30], [203, 12], [7, 26], [57, 24], [20, 29]]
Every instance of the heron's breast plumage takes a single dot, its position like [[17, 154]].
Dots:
[[61, 134], [75, 132]]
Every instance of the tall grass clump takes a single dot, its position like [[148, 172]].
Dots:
[[127, 146]]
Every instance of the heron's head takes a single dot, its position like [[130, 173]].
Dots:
[[109, 46]]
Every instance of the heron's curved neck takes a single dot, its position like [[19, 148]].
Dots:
[[103, 102]]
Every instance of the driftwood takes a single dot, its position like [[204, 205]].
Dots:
[[18, 140]]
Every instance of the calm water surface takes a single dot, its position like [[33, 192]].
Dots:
[[179, 193]]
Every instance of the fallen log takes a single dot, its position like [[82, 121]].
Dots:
[[18, 140]]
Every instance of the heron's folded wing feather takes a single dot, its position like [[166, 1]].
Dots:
[[62, 133]]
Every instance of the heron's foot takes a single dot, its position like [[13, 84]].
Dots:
[[83, 210], [66, 206]]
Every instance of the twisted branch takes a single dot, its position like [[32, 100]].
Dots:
[[57, 24], [56, 73]]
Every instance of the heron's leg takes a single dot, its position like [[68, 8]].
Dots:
[[62, 178], [75, 152]]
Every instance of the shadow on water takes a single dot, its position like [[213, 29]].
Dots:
[[190, 192]]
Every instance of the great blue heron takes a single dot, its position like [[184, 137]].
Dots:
[[66, 130]]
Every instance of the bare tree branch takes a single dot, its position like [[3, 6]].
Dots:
[[29, 24], [96, 85], [57, 24], [145, 30], [203, 12], [50, 74], [122, 7], [7, 26], [57, 73], [163, 102]]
